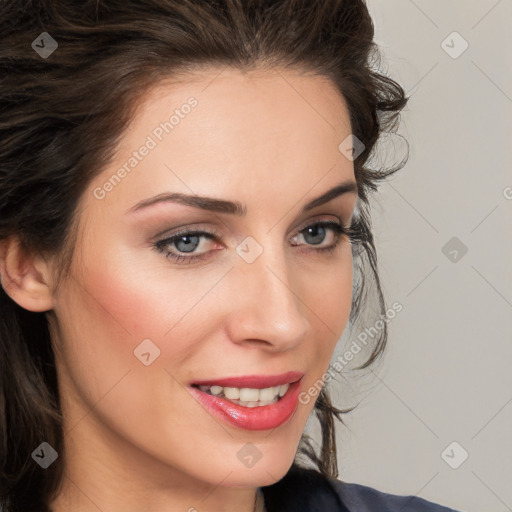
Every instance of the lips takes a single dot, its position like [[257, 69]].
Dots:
[[252, 381], [256, 418], [250, 416]]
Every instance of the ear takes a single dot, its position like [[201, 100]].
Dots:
[[25, 277]]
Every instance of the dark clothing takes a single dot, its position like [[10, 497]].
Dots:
[[307, 490]]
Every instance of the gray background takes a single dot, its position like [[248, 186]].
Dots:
[[446, 373]]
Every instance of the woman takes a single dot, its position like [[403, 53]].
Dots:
[[183, 207]]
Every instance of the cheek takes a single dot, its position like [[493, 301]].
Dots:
[[117, 302], [329, 297], [329, 301], [105, 311], [131, 299]]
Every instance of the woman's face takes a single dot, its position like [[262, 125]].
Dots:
[[137, 323]]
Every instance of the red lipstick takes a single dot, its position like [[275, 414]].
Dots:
[[252, 381], [251, 418]]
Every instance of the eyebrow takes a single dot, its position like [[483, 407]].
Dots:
[[235, 207]]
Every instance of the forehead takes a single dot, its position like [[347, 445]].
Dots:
[[244, 106], [222, 132]]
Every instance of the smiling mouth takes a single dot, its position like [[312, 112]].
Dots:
[[250, 390], [247, 397], [251, 408]]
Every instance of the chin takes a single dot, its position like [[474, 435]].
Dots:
[[263, 473]]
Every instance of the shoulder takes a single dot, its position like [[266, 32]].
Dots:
[[361, 498], [307, 490]]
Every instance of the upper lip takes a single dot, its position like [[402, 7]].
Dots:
[[252, 381]]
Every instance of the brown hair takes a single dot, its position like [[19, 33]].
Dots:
[[62, 115]]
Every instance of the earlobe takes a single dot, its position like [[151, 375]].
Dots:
[[25, 277]]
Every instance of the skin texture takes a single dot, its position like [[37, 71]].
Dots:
[[135, 438]]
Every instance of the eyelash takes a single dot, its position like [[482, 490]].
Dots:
[[339, 230]]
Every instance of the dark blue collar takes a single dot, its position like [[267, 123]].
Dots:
[[302, 490]]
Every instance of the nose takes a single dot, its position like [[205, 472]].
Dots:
[[266, 309]]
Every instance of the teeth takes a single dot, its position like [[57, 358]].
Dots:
[[215, 390], [259, 403], [267, 394], [248, 397], [232, 393], [283, 389]]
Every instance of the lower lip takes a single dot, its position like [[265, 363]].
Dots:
[[251, 418]]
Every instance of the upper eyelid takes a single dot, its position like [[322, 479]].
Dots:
[[215, 234], [211, 235], [335, 225], [319, 221]]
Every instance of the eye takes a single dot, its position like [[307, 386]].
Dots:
[[315, 235], [185, 243], [182, 247]]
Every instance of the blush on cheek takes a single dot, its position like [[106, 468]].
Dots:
[[125, 307], [102, 332], [123, 303]]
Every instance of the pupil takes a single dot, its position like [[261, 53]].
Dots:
[[318, 238], [188, 243]]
